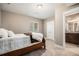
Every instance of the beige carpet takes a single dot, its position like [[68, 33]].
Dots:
[[54, 50]]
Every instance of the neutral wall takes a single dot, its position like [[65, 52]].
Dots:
[[59, 25], [0, 16], [19, 23]]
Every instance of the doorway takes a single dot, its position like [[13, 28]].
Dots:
[[72, 28], [50, 30]]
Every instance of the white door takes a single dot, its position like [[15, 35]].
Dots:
[[50, 30]]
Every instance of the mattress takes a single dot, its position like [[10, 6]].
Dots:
[[14, 43]]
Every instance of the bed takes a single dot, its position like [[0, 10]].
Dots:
[[26, 44]]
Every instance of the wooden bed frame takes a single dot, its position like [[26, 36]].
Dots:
[[28, 49]]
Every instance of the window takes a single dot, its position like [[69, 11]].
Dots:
[[35, 27]]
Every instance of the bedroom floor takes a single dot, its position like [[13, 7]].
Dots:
[[54, 50]]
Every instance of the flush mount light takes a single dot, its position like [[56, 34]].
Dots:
[[39, 5], [8, 3]]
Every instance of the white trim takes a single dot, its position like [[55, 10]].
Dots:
[[64, 43]]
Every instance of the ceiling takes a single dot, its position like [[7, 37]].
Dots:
[[31, 9], [73, 18]]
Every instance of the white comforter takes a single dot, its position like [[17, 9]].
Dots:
[[13, 43]]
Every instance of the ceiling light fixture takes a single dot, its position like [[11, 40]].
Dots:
[[39, 5], [8, 3]]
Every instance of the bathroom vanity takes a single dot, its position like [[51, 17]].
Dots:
[[72, 38]]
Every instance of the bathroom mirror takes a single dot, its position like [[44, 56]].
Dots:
[[72, 23]]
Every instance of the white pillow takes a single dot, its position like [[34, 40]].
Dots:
[[11, 34], [37, 36], [3, 33]]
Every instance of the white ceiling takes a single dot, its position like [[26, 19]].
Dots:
[[72, 11], [30, 9]]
